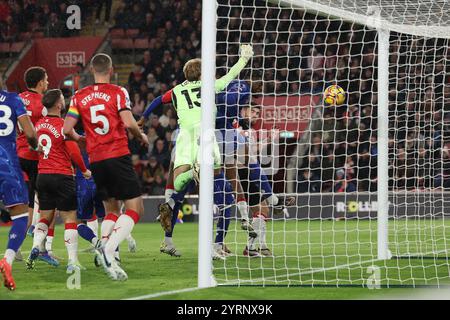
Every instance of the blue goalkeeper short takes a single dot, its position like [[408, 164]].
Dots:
[[88, 200]]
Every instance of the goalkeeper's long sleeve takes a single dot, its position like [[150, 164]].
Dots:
[[223, 82], [162, 99]]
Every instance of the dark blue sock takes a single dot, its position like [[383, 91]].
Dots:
[[257, 174], [175, 210], [85, 232], [222, 225], [17, 232], [179, 196], [219, 189]]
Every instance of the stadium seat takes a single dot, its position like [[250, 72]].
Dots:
[[16, 47], [117, 33], [4, 48], [141, 44], [38, 34], [25, 36], [122, 44], [132, 33]]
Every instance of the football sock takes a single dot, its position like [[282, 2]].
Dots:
[[86, 233], [71, 241], [259, 225], [123, 227], [107, 226], [168, 192], [93, 224], [36, 215], [168, 241], [49, 239], [40, 232], [243, 208], [117, 254], [16, 236], [222, 226], [257, 174]]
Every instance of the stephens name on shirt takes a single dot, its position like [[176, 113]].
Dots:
[[95, 95]]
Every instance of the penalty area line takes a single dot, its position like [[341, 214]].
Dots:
[[163, 293]]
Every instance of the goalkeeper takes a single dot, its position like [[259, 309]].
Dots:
[[187, 102]]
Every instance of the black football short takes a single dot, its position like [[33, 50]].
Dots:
[[116, 178], [252, 189], [57, 191], [30, 167]]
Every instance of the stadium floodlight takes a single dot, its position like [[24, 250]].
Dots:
[[371, 176]]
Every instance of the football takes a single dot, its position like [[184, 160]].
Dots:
[[334, 95]]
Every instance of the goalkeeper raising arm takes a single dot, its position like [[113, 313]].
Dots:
[[187, 102]]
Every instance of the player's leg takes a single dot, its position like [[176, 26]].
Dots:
[[40, 232], [124, 186], [14, 195], [86, 211], [258, 246], [71, 239], [223, 199], [232, 144], [45, 250], [112, 207], [16, 236]]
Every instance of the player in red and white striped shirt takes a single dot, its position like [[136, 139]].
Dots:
[[56, 179], [105, 112]]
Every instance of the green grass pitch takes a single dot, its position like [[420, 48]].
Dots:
[[323, 253]]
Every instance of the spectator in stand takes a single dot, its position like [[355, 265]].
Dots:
[[160, 152], [100, 4], [55, 27], [136, 77], [138, 104], [153, 177]]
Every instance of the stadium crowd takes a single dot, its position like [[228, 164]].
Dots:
[[21, 20], [293, 58]]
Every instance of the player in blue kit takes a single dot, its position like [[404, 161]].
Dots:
[[13, 190]]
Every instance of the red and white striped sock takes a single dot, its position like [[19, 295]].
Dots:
[[93, 224], [107, 226], [123, 227], [71, 241], [49, 239], [40, 232]]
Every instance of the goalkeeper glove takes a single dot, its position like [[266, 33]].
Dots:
[[246, 51]]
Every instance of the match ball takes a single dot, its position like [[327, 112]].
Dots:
[[334, 95]]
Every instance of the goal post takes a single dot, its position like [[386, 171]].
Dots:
[[371, 177]]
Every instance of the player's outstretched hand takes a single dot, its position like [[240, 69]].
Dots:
[[144, 140], [246, 51], [87, 174], [141, 123]]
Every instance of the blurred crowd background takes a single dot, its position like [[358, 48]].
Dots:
[[296, 53]]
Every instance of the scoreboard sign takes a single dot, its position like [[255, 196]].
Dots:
[[70, 59]]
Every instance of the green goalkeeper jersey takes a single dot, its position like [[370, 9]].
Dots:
[[187, 101]]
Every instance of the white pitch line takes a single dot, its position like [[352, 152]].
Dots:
[[166, 293], [163, 293], [237, 282]]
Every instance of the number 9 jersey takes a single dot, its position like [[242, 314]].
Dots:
[[98, 106]]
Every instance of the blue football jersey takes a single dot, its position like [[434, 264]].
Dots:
[[13, 190], [229, 103], [11, 108]]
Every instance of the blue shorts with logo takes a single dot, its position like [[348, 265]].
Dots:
[[88, 200]]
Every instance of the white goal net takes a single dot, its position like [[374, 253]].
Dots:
[[328, 156]]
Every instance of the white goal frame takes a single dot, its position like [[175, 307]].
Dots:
[[372, 19]]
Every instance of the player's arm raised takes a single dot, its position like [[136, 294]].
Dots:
[[245, 55], [162, 99]]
